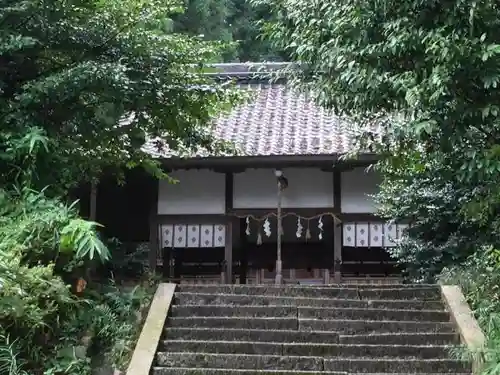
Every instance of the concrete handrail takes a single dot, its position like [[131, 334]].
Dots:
[[145, 349], [471, 334]]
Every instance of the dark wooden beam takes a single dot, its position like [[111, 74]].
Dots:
[[228, 253], [269, 161], [192, 219], [328, 169], [353, 217], [228, 169], [270, 210], [337, 190], [229, 188]]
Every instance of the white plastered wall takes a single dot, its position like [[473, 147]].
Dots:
[[308, 188], [357, 187], [197, 192]]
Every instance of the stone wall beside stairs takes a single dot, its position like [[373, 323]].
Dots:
[[306, 330]]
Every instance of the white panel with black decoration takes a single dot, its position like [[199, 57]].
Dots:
[[376, 234], [180, 236], [193, 235], [349, 234], [372, 234], [207, 235], [219, 235], [362, 235], [166, 235]]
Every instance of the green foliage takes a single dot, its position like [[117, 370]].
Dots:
[[79, 232], [426, 192], [116, 321], [422, 80], [45, 328], [9, 363], [130, 261], [84, 84], [233, 21], [47, 229], [36, 302], [423, 76]]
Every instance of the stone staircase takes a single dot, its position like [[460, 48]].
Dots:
[[304, 330]]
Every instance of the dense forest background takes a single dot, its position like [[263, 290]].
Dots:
[[235, 22]]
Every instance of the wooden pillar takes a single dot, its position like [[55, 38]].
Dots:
[[153, 242], [167, 262], [337, 226], [228, 252], [326, 276], [337, 252], [93, 201], [243, 247], [154, 228], [229, 187]]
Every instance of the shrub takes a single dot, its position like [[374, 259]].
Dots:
[[44, 248]]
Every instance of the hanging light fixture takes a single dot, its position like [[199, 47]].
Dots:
[[282, 180]]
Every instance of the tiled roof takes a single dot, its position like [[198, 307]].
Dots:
[[278, 120]]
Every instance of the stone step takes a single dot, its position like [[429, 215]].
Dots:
[[301, 349], [365, 365], [293, 336], [327, 286], [356, 327], [238, 361], [372, 314], [350, 327], [373, 285], [230, 311], [424, 293], [250, 335], [218, 371], [234, 323], [402, 339], [257, 300], [408, 366], [309, 313], [269, 290]]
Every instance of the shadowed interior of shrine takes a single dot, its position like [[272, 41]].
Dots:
[[307, 253], [202, 247]]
